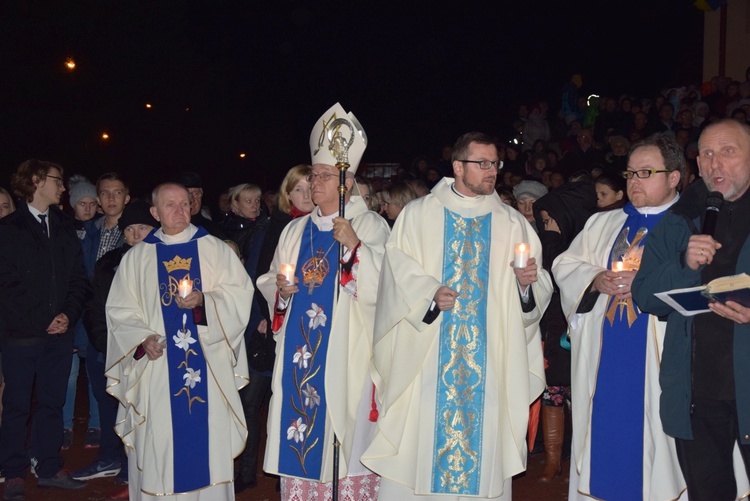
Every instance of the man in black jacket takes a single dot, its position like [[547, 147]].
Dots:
[[43, 287]]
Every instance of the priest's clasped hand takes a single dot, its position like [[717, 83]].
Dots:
[[193, 300], [614, 283]]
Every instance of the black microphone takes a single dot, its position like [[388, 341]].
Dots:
[[713, 204]]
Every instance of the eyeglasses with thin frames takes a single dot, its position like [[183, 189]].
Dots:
[[322, 176], [57, 179], [641, 174], [485, 164]]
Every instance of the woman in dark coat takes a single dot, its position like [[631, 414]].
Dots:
[[136, 222], [560, 215]]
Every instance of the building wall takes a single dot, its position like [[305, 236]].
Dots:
[[737, 57]]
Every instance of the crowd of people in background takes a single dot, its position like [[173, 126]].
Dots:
[[546, 154]]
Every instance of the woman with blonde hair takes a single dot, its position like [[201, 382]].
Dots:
[[364, 189], [399, 194], [246, 218]]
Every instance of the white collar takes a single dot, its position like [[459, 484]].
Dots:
[[36, 212], [453, 188], [660, 209], [325, 223], [180, 238]]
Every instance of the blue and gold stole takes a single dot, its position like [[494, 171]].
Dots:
[[188, 386], [303, 408], [457, 454]]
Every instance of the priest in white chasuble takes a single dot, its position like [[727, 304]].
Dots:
[[176, 315], [619, 448], [321, 289], [457, 355]]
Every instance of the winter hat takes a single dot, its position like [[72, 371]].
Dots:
[[531, 189], [189, 179], [78, 188], [137, 212]]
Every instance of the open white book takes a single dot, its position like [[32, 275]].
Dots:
[[694, 300]]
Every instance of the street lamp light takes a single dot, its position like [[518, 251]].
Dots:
[[70, 64]]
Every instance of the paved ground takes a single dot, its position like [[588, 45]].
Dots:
[[525, 486]]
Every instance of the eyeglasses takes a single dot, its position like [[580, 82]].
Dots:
[[641, 174], [57, 179], [485, 164], [322, 176]]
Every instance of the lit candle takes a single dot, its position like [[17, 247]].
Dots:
[[521, 256], [288, 271], [617, 266], [185, 287]]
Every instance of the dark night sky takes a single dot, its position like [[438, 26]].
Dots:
[[256, 75]]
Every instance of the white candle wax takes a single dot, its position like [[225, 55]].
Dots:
[[521, 255], [617, 266], [185, 287], [288, 271]]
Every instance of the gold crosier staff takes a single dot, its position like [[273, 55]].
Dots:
[[339, 146]]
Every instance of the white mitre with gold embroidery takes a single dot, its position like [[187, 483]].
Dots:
[[335, 128]]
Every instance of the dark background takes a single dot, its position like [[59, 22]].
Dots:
[[253, 77]]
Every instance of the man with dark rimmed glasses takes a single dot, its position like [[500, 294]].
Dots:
[[619, 450], [457, 358]]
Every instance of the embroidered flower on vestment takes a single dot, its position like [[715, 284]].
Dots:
[[301, 356], [312, 397], [317, 317], [191, 377], [183, 339], [296, 431]]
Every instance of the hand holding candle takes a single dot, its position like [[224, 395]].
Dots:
[[288, 271], [185, 287], [521, 255], [621, 276]]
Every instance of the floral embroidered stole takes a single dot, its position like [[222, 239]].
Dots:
[[303, 412]]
